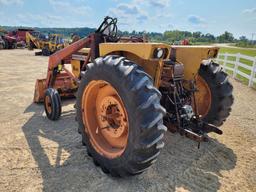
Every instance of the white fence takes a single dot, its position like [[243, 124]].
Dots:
[[224, 60]]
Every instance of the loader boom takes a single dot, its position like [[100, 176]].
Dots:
[[34, 40], [59, 56], [58, 76]]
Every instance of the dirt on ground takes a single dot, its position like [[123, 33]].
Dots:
[[37, 154]]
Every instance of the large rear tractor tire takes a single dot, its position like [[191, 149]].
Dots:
[[120, 116], [214, 96], [52, 104]]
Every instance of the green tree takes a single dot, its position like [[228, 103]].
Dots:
[[227, 37]]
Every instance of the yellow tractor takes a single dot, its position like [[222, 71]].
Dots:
[[48, 46], [129, 91], [56, 42], [34, 40]]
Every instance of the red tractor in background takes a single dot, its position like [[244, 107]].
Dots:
[[185, 42], [8, 42], [20, 35]]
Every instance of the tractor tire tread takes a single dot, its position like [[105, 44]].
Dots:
[[144, 110], [221, 91]]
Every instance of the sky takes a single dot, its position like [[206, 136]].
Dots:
[[235, 16]]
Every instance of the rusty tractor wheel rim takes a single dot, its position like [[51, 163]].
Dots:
[[105, 118], [203, 96], [48, 104]]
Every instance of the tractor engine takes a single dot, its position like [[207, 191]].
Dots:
[[178, 98]]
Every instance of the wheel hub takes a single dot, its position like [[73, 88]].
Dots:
[[203, 96], [48, 104], [105, 118], [112, 117]]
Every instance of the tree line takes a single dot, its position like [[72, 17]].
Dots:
[[176, 36], [67, 32], [172, 37]]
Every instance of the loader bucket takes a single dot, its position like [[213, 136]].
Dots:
[[40, 87]]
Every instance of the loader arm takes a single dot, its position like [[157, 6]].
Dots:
[[62, 80], [56, 58], [31, 38]]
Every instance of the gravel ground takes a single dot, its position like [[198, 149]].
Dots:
[[39, 155]]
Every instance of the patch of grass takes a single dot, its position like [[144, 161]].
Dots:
[[248, 52], [245, 61]]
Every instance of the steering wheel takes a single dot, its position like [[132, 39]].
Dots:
[[108, 29]]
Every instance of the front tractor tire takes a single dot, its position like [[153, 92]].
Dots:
[[120, 116], [52, 104], [214, 96]]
